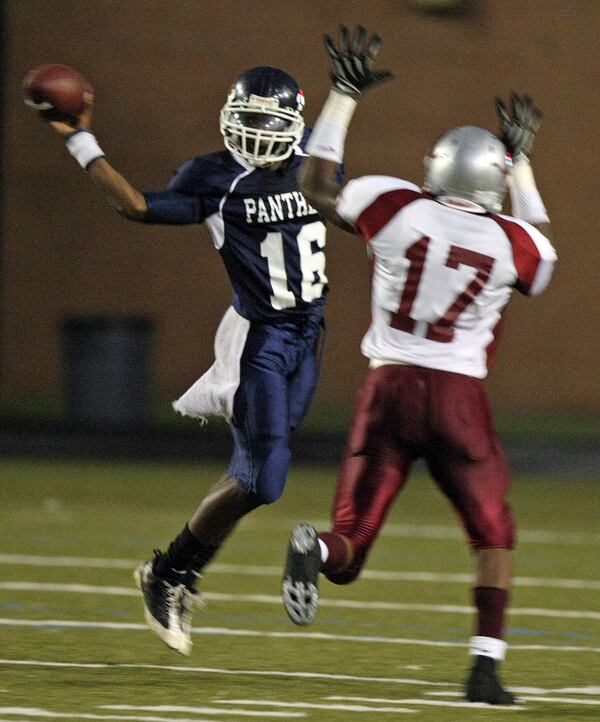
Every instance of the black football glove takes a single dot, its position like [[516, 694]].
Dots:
[[518, 127], [351, 72]]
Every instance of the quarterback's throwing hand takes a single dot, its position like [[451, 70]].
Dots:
[[82, 122], [351, 71], [519, 126]]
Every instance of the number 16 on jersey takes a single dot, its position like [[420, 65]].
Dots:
[[310, 240]]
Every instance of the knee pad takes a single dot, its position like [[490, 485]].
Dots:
[[271, 477]]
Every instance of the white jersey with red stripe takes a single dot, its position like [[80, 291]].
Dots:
[[441, 275]]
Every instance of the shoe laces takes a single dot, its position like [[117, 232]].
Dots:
[[173, 593], [192, 599]]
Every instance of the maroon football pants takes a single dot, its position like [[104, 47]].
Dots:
[[403, 413]]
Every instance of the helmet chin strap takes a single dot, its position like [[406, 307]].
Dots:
[[265, 165], [261, 153], [462, 204]]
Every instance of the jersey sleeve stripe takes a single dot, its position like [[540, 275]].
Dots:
[[525, 252], [383, 209]]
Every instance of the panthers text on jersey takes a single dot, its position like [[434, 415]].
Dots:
[[441, 275], [271, 240]]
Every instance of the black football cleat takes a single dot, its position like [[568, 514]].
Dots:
[[483, 684], [167, 608], [300, 586]]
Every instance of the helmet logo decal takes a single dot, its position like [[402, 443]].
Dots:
[[266, 102]]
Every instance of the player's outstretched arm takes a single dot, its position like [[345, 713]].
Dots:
[[519, 124], [83, 146], [351, 74]]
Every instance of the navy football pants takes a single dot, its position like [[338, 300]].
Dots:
[[279, 370]]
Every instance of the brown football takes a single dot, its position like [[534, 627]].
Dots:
[[56, 90]]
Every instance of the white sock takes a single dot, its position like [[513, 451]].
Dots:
[[324, 551], [487, 647]]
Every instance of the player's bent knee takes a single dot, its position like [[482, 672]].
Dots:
[[350, 573], [498, 532], [272, 476], [344, 577]]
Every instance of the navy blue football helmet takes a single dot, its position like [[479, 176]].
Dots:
[[262, 118]]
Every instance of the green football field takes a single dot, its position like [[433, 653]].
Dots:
[[388, 647]]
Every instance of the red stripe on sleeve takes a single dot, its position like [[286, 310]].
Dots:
[[525, 253], [383, 209]]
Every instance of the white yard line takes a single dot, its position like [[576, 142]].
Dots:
[[357, 708], [561, 700], [134, 718], [441, 703], [78, 562], [320, 636], [276, 600], [426, 702], [44, 713], [525, 693], [531, 536], [271, 703], [275, 571], [276, 673], [234, 672], [202, 710], [523, 697]]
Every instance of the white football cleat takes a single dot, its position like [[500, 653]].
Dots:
[[164, 606]]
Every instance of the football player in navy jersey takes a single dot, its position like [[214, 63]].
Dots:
[[267, 346]]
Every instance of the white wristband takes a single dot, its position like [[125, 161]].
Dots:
[[525, 198], [83, 146], [329, 134], [338, 108]]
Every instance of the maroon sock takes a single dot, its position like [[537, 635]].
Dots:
[[491, 604], [338, 558]]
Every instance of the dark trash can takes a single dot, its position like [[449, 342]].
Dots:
[[107, 368]]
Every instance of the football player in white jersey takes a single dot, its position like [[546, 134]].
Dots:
[[445, 263]]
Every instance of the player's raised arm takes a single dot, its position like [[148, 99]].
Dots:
[[63, 98], [351, 75], [518, 127], [83, 146]]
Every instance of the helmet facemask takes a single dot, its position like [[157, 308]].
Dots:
[[259, 130]]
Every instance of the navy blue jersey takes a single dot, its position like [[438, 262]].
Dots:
[[271, 240]]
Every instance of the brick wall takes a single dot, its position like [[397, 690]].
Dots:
[[161, 72]]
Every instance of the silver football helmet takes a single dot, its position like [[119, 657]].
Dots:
[[466, 166]]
